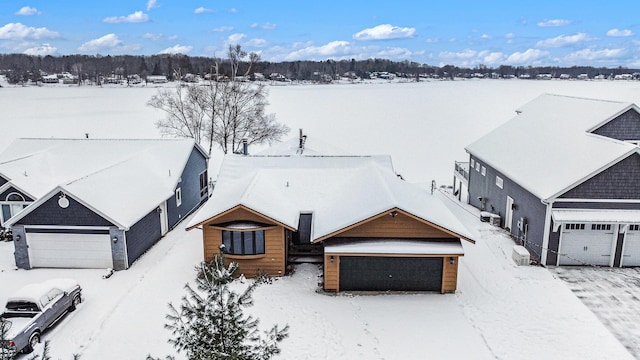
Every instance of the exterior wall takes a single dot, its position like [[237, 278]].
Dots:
[[526, 204], [118, 249], [331, 272], [273, 262], [4, 194], [400, 226], [2, 181], [21, 253], [142, 235], [624, 127], [620, 181], [76, 214], [190, 187], [449, 274]]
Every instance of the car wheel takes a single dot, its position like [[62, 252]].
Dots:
[[34, 340], [76, 300]]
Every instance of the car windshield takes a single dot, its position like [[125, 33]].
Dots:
[[22, 306]]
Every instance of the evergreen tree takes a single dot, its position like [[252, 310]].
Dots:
[[210, 323]]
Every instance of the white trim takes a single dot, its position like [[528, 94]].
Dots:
[[67, 227], [178, 197], [508, 213], [499, 183], [614, 242], [559, 244], [625, 201], [126, 250], [545, 236]]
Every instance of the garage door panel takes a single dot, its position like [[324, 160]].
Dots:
[[68, 250], [586, 247], [364, 273], [631, 252]]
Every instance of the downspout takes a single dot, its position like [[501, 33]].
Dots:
[[545, 236]]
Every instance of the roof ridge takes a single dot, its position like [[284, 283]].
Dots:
[[587, 98]]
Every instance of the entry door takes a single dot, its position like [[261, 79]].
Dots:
[[164, 219], [508, 217]]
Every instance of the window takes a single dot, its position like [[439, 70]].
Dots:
[[243, 242], [473, 163], [634, 227], [499, 182], [483, 171], [477, 166], [178, 196], [606, 227], [15, 197], [204, 184], [574, 226]]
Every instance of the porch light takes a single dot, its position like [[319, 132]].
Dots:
[[115, 239], [18, 237], [452, 260], [331, 259]]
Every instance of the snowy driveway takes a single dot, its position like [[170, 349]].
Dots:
[[613, 295]]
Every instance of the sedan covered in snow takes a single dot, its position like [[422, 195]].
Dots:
[[33, 309]]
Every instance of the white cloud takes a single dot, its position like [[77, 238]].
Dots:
[[109, 42], [332, 49], [432, 40], [176, 49], [563, 40], [265, 26], [591, 55], [136, 17], [235, 38], [510, 36], [43, 50], [620, 33], [156, 37], [485, 37], [385, 32], [15, 31], [27, 10], [256, 43], [203, 10], [223, 29], [526, 58], [152, 4], [233, 10], [554, 22], [395, 53]]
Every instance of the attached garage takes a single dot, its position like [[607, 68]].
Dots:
[[393, 265], [587, 244], [69, 248]]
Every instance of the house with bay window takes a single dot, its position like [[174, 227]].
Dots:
[[562, 175], [368, 228], [97, 203]]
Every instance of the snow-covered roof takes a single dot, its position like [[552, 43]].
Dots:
[[548, 149], [103, 174], [339, 190], [310, 146], [396, 246], [599, 216]]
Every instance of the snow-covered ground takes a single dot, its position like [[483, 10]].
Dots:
[[499, 311]]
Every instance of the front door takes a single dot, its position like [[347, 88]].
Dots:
[[164, 220], [508, 214]]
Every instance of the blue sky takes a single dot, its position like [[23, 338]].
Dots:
[[463, 33]]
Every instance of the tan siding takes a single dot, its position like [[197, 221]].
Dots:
[[400, 226], [331, 273], [273, 261], [450, 274]]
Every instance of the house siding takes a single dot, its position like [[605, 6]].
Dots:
[[400, 226], [527, 205], [190, 189], [4, 194], [3, 181], [142, 235], [619, 181], [21, 250], [623, 127], [50, 213], [273, 262]]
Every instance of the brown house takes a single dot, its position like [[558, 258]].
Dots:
[[370, 229]]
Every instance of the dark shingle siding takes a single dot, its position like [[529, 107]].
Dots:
[[142, 235], [10, 190], [619, 181], [190, 187], [624, 127], [76, 214]]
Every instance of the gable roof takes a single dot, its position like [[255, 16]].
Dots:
[[339, 190], [548, 149], [104, 174]]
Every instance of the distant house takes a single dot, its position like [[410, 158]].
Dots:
[[96, 203], [369, 229], [563, 177], [157, 79], [50, 79]]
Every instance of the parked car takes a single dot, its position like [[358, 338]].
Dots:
[[33, 309]]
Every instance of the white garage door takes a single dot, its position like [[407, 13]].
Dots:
[[586, 244], [631, 251], [69, 250]]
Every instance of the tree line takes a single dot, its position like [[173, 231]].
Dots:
[[22, 68]]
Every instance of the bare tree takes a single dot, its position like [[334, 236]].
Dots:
[[222, 113]]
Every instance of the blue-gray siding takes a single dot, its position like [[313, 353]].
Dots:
[[190, 187], [4, 194], [526, 205], [624, 127], [76, 214], [619, 181], [143, 235], [2, 181]]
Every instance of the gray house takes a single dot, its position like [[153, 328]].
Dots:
[[562, 176], [97, 203]]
